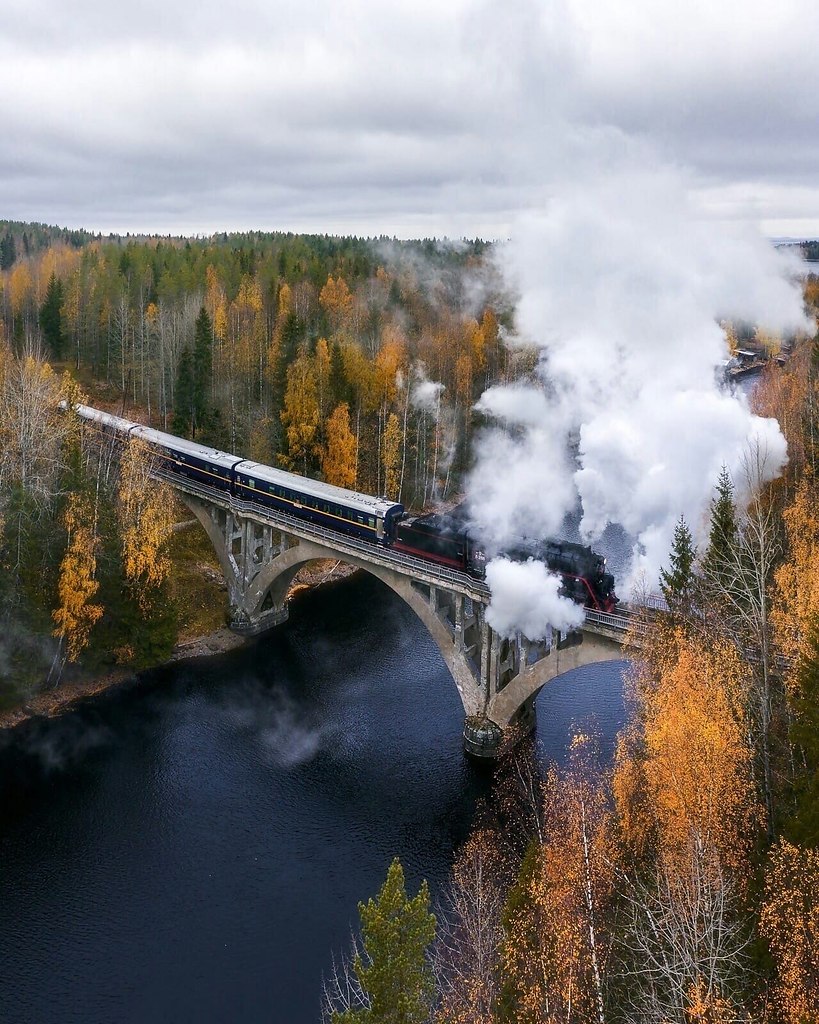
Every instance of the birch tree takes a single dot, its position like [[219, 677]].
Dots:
[[467, 949], [75, 614], [145, 514]]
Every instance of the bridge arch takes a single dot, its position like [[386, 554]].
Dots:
[[498, 678], [275, 580], [264, 598]]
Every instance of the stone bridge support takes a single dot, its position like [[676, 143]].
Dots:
[[497, 677]]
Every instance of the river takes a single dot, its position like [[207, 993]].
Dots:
[[193, 849]]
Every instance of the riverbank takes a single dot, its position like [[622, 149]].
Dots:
[[69, 694]]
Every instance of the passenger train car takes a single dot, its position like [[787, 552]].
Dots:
[[334, 507], [444, 539]]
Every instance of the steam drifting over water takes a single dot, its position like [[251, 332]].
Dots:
[[621, 284]]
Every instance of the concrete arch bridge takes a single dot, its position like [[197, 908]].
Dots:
[[260, 550]]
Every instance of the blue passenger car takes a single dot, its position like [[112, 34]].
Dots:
[[334, 507]]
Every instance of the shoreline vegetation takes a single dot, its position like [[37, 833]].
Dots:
[[69, 694]]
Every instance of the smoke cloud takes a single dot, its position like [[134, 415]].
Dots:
[[425, 393], [621, 283], [525, 597]]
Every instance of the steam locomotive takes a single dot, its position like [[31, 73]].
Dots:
[[444, 539]]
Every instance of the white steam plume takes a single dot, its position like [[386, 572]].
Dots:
[[525, 597], [621, 283]]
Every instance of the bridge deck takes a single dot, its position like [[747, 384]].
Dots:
[[615, 626], [409, 565]]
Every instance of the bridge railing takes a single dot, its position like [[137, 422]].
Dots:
[[343, 543], [616, 623], [339, 542]]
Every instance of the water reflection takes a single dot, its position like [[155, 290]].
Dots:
[[194, 849]]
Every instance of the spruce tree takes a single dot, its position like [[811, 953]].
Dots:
[[8, 252], [340, 390], [51, 317], [677, 582], [392, 968], [291, 334], [202, 369], [184, 395], [722, 539]]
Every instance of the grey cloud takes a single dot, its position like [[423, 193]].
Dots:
[[427, 116]]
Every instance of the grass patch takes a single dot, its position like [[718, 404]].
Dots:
[[196, 584]]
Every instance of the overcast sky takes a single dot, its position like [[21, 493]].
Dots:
[[405, 117]]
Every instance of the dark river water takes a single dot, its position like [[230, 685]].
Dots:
[[193, 849]]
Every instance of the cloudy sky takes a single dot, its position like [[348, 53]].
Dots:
[[404, 117]]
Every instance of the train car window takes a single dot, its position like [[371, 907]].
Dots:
[[253, 484], [372, 522]]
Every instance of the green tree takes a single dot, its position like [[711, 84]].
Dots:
[[8, 252], [184, 399], [677, 582], [804, 826], [720, 554], [396, 981], [51, 317], [340, 390], [202, 371]]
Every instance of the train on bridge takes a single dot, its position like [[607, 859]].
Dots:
[[443, 539]]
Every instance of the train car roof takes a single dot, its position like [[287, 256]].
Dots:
[[181, 444], [108, 419], [352, 499]]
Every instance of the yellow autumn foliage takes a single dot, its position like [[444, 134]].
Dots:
[[339, 461], [391, 456], [790, 923], [75, 615], [684, 774], [145, 513], [796, 592]]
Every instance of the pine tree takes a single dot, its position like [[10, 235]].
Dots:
[[392, 970], [677, 582], [721, 550], [51, 321]]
